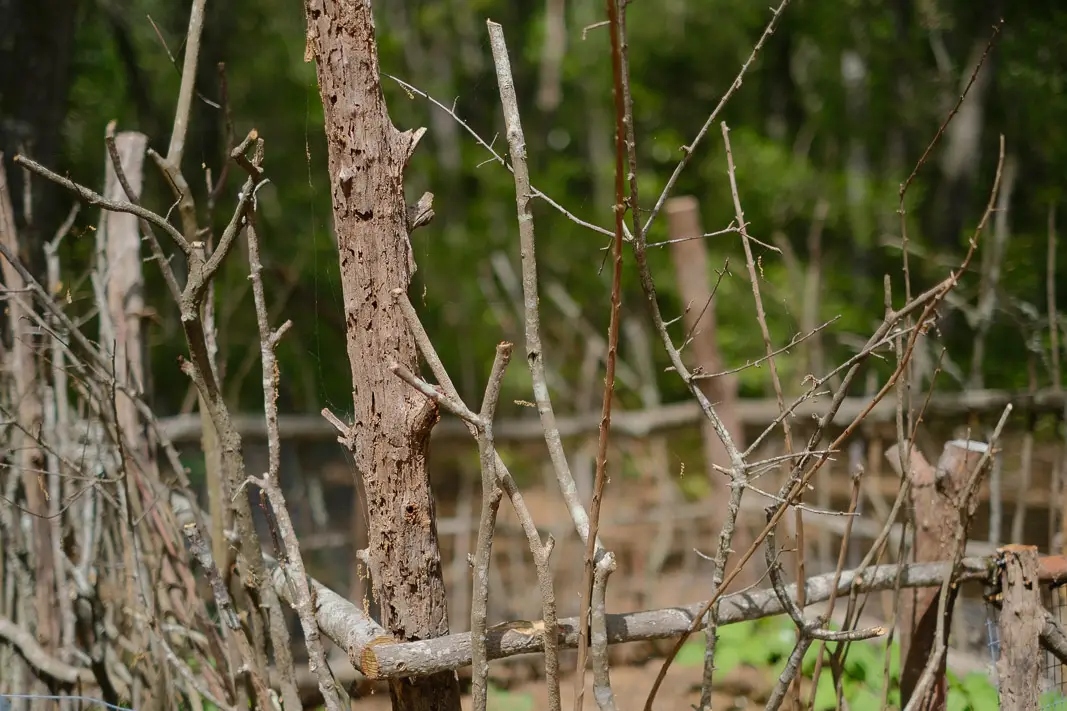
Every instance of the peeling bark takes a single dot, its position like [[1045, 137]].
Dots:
[[1022, 619], [390, 436]]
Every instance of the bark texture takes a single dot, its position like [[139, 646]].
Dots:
[[934, 496], [1022, 618], [26, 457], [391, 431]]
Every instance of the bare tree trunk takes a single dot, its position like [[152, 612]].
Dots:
[[391, 433]]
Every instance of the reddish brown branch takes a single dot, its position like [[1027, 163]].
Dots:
[[615, 14]]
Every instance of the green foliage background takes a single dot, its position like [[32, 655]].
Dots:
[[802, 132]]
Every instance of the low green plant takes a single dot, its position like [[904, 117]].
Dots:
[[766, 644], [505, 700]]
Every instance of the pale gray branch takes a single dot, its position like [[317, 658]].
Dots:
[[454, 651], [527, 246]]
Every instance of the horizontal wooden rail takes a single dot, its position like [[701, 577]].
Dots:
[[378, 656], [641, 423]]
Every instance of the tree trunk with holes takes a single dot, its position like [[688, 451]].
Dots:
[[391, 431]]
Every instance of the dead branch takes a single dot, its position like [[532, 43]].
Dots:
[[27, 455], [334, 696], [382, 659], [534, 350], [616, 16], [688, 150], [40, 659], [541, 551], [761, 318], [58, 416], [198, 547], [491, 494], [808, 631], [598, 640], [1053, 638], [846, 538], [799, 479], [97, 200]]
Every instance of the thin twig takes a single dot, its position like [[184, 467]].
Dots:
[[616, 16], [795, 341], [598, 644], [303, 603], [200, 550], [807, 631], [97, 200], [951, 114], [927, 301], [738, 477], [534, 351], [812, 629], [929, 149], [857, 477], [761, 318], [717, 233], [687, 151], [486, 527], [188, 85], [497, 157], [874, 554]]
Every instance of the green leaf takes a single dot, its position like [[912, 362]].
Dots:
[[864, 663], [957, 700], [503, 700], [980, 692], [864, 698], [692, 654], [825, 693]]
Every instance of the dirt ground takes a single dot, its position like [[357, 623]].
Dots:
[[745, 688]]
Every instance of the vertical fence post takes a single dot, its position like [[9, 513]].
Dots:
[[933, 499], [1021, 620]]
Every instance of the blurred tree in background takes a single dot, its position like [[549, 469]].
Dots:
[[843, 101]]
